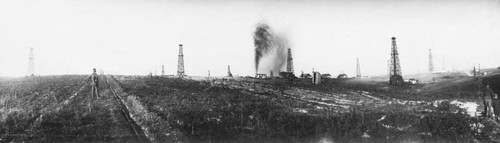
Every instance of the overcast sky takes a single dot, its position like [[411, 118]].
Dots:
[[136, 37]]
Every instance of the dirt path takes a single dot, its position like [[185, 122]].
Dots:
[[153, 127], [82, 119], [138, 132]]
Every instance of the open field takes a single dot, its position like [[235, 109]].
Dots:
[[58, 108], [160, 109]]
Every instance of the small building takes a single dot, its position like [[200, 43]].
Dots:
[[326, 75], [305, 75], [261, 75], [343, 75], [316, 78], [411, 81]]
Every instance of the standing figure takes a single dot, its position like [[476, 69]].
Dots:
[[95, 84], [496, 106], [488, 101]]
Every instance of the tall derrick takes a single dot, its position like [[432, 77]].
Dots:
[[229, 74], [396, 78], [431, 65], [289, 62], [162, 70], [180, 65], [358, 70]]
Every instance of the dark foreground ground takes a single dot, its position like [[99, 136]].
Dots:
[[159, 109]]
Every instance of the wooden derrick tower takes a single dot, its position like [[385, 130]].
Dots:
[[289, 62], [358, 69], [395, 76], [180, 65]]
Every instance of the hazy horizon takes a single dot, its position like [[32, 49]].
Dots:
[[132, 37]]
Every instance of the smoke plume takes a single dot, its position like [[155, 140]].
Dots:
[[270, 50]]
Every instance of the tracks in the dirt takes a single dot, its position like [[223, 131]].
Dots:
[[290, 96], [135, 129], [139, 134]]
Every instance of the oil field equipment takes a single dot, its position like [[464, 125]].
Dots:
[[395, 76], [180, 65]]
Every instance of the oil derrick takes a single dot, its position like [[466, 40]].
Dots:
[[358, 69], [289, 62], [431, 65], [162, 70], [289, 73], [474, 70], [229, 71], [180, 65], [31, 69], [395, 78]]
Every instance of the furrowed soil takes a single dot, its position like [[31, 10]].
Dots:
[[59, 109], [251, 110], [160, 109]]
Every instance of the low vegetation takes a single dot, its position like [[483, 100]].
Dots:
[[23, 100], [34, 109], [203, 112], [39, 109]]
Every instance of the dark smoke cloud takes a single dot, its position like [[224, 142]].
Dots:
[[271, 47], [263, 39]]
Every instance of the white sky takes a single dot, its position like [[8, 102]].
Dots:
[[136, 37]]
